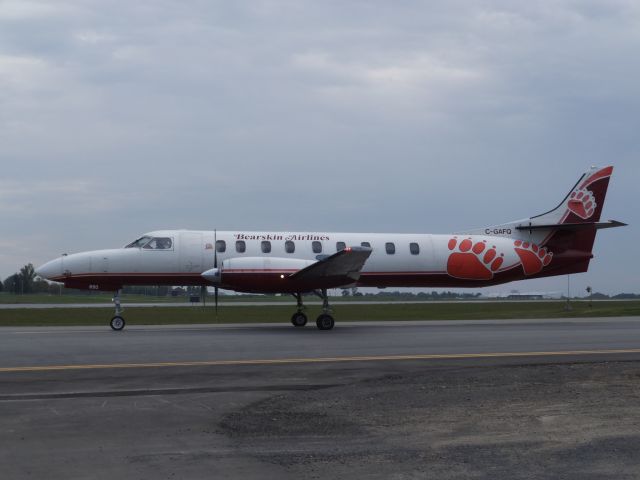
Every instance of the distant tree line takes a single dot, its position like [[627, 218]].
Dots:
[[619, 296], [25, 281]]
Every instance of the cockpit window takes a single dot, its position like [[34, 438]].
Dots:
[[159, 243], [138, 243]]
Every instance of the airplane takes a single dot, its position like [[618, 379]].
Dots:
[[558, 242]]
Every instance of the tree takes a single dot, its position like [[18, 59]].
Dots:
[[27, 275], [13, 283]]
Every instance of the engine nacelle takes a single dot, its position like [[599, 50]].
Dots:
[[255, 273], [265, 263]]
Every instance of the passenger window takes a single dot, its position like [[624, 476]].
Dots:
[[390, 247], [159, 243], [266, 246], [316, 247], [241, 246], [340, 246], [365, 244], [414, 248], [221, 246], [289, 246]]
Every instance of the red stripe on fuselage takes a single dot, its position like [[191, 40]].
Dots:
[[271, 281]]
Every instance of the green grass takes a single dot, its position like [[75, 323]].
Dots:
[[99, 297], [345, 312]]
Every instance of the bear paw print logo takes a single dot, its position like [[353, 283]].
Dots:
[[472, 261], [582, 203], [533, 258]]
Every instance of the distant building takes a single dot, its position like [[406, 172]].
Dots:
[[524, 296]]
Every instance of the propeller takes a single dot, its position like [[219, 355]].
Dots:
[[213, 275], [215, 265]]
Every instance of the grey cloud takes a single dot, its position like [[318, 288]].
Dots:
[[409, 116]]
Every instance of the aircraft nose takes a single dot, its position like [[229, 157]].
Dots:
[[50, 269]]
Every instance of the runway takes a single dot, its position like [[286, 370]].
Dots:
[[366, 399], [60, 346]]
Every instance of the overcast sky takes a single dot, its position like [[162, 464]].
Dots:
[[118, 118]]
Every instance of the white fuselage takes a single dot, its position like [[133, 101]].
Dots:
[[255, 261]]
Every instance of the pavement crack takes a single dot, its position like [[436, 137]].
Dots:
[[165, 391]]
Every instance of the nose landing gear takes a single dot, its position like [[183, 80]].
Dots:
[[117, 322]]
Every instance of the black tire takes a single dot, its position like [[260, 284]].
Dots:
[[325, 322], [298, 319], [117, 323]]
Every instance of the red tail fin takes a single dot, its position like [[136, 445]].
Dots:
[[569, 230], [585, 202], [572, 247]]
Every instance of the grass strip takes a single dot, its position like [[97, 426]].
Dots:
[[343, 312]]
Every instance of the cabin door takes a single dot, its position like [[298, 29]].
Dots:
[[191, 252]]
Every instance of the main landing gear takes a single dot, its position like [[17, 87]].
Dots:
[[117, 322], [299, 319], [324, 321]]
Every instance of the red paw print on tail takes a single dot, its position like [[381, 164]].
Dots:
[[472, 261], [582, 203], [533, 258]]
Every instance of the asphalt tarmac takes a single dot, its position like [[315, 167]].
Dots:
[[460, 399]]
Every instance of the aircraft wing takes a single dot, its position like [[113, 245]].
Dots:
[[341, 268]]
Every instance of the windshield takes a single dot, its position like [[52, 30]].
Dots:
[[138, 243], [159, 243]]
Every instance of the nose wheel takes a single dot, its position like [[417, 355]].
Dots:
[[117, 322]]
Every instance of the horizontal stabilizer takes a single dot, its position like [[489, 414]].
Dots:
[[573, 226], [346, 264]]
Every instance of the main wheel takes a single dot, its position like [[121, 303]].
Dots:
[[299, 319], [325, 322], [117, 323]]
